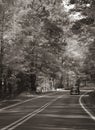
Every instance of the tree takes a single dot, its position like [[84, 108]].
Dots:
[[25, 35], [84, 28], [4, 18]]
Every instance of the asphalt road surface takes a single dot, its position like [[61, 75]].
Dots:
[[57, 111]]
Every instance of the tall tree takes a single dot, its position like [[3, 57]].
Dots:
[[4, 18]]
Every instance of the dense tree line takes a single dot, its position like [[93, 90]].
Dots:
[[31, 36], [86, 27], [34, 39]]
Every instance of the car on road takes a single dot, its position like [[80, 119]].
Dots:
[[74, 90]]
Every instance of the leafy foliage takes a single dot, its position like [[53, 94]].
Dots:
[[32, 35], [37, 36]]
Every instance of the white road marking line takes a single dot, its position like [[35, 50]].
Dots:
[[10, 106], [85, 109], [30, 115]]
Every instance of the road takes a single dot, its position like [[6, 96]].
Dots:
[[57, 111]]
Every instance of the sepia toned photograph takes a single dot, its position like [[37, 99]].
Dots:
[[47, 64]]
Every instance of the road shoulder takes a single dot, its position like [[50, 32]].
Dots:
[[85, 101]]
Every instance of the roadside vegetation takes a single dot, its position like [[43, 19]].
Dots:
[[45, 45]]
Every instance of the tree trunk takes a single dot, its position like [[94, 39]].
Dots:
[[2, 50]]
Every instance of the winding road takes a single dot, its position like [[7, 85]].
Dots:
[[56, 111]]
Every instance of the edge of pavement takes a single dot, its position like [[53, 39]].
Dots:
[[17, 101], [84, 106]]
